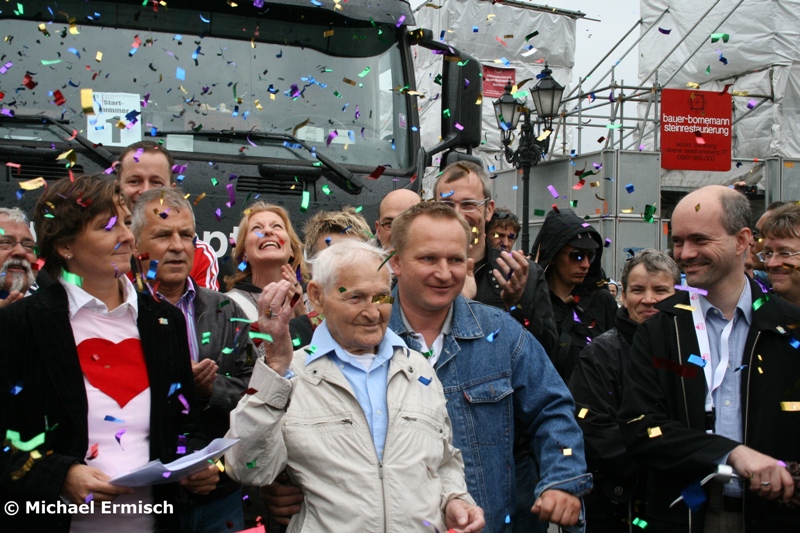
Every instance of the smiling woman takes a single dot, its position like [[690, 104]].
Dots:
[[95, 387]]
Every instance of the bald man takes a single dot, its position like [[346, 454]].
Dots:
[[392, 205], [725, 336]]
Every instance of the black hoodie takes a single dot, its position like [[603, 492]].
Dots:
[[593, 305]]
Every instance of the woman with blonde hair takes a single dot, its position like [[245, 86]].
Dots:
[[267, 250]]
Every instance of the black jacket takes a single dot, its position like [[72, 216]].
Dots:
[[593, 305], [40, 355], [534, 311], [662, 390]]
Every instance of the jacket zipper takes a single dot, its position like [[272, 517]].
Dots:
[[746, 413], [383, 494], [685, 400]]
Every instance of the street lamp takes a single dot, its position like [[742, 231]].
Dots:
[[546, 97]]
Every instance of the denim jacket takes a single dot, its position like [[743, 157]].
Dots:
[[493, 386]]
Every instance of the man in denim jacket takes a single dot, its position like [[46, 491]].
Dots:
[[496, 376]]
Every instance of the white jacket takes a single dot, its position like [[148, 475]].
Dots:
[[323, 441]]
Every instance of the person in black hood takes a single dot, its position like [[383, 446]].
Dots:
[[596, 384], [570, 250]]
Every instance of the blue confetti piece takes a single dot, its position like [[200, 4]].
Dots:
[[508, 519], [151, 273], [741, 368], [629, 188], [16, 389], [795, 343], [204, 19], [109, 418], [328, 241], [243, 266], [20, 192], [180, 73], [180, 178], [697, 360], [474, 29], [492, 168], [694, 496], [74, 51], [447, 194], [424, 381], [493, 335], [174, 387]]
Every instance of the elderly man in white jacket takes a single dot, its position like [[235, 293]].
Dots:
[[357, 420]]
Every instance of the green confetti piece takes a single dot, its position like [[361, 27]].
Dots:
[[387, 259], [69, 277], [326, 189], [531, 36], [359, 208], [573, 203], [310, 349], [463, 63], [263, 336], [446, 112], [438, 79], [214, 182], [206, 337], [758, 303], [336, 94], [2, 231], [613, 126], [234, 90], [717, 36], [708, 69], [521, 94], [223, 303], [25, 446], [47, 62], [48, 215], [252, 464], [428, 354], [296, 342], [342, 289], [538, 212], [227, 350], [364, 72], [305, 202], [317, 164], [237, 319], [20, 11], [639, 522]]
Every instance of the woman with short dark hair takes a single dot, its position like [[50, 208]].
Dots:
[[101, 374]]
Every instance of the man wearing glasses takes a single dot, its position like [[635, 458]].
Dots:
[[502, 231], [17, 254], [569, 250], [781, 251], [392, 205], [504, 279]]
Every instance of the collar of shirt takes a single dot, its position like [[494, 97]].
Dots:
[[447, 326], [188, 296], [745, 305], [325, 344], [79, 299]]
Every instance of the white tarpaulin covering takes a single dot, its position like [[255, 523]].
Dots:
[[763, 68], [459, 19]]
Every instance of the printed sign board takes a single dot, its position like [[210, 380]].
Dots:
[[696, 130], [495, 79], [116, 119]]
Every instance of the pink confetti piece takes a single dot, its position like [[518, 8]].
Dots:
[[231, 195], [458, 126], [553, 191], [185, 403], [331, 136], [218, 214], [751, 104], [400, 21], [111, 222], [687, 288], [119, 435]]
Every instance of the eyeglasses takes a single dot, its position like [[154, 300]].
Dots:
[[766, 256], [466, 206], [577, 256], [28, 245], [386, 225]]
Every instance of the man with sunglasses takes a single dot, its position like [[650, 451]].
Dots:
[[503, 229], [504, 278], [781, 251], [570, 250]]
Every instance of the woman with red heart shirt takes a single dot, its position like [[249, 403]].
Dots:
[[99, 375]]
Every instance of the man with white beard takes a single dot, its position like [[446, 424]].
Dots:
[[17, 254]]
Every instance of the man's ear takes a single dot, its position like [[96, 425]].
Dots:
[[489, 211], [316, 296], [743, 239], [394, 261]]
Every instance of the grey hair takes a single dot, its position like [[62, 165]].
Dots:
[[343, 255], [736, 212], [462, 169], [654, 262], [14, 214], [173, 198]]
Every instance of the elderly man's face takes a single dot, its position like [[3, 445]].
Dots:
[[355, 321], [16, 256]]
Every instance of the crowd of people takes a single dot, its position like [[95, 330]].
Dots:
[[416, 379]]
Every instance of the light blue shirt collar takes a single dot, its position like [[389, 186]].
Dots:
[[745, 304], [325, 344]]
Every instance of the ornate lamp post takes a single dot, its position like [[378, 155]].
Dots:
[[546, 97]]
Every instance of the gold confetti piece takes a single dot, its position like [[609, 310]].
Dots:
[[271, 96], [65, 155], [697, 207], [258, 105], [349, 81], [86, 101], [740, 93], [567, 451], [627, 211], [197, 200], [252, 43], [545, 134], [479, 101], [328, 33], [220, 466], [32, 185], [760, 358], [384, 299], [300, 126], [73, 28], [98, 57], [684, 307], [640, 417], [693, 85], [184, 91], [788, 164], [654, 432], [583, 412], [508, 36], [490, 17], [760, 371], [790, 406], [594, 184]]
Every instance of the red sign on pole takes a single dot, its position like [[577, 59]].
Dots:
[[495, 79], [696, 130]]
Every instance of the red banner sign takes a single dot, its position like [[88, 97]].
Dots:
[[495, 79], [696, 130]]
